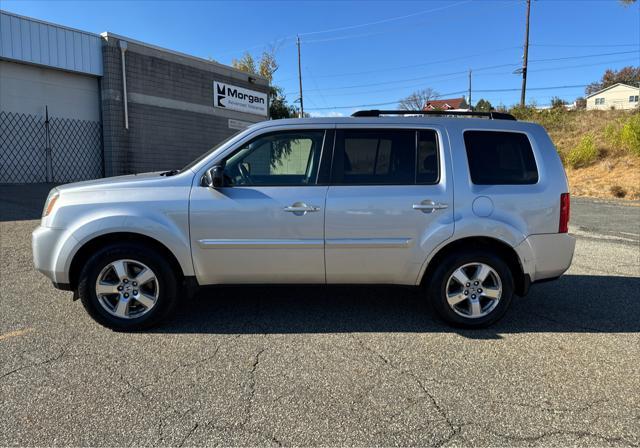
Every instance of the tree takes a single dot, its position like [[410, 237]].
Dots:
[[627, 2], [628, 75], [558, 103], [266, 67], [278, 106], [581, 103], [483, 106], [418, 99], [246, 63]]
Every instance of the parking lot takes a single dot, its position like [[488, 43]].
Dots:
[[328, 365]]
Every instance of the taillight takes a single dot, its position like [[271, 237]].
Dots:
[[565, 205]]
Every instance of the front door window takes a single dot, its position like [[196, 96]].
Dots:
[[279, 159]]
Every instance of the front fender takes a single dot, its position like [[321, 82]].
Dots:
[[172, 234]]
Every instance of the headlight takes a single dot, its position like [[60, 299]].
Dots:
[[50, 203]]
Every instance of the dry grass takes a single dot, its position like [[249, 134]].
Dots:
[[600, 179], [615, 172], [568, 132]]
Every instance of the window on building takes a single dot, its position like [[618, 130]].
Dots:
[[633, 99], [375, 157], [279, 159], [599, 101], [500, 158]]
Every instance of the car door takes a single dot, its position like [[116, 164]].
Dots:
[[389, 204], [266, 225]]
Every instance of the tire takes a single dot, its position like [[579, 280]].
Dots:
[[147, 303], [484, 309]]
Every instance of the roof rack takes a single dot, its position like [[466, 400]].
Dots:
[[490, 115]]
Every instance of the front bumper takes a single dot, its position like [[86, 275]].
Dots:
[[45, 243], [546, 256]]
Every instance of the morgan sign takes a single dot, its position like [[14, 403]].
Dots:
[[226, 96]]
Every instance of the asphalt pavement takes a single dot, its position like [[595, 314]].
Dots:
[[328, 366]]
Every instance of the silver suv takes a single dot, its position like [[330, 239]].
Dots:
[[471, 210]]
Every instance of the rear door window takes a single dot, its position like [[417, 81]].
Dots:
[[375, 157], [500, 158], [427, 164]]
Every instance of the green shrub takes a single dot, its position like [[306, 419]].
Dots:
[[630, 135], [612, 135], [584, 153], [555, 118]]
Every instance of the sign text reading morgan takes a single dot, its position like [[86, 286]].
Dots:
[[230, 97]]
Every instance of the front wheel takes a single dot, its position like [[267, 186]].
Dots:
[[127, 287], [471, 289]]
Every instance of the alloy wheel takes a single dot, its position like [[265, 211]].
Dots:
[[474, 290], [127, 289]]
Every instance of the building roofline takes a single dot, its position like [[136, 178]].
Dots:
[[611, 87], [56, 25], [106, 35]]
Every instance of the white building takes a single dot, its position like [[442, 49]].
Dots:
[[617, 96]]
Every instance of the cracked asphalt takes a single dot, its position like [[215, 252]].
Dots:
[[281, 366]]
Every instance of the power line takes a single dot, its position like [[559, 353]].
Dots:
[[378, 22], [534, 88], [412, 79], [401, 67], [585, 56], [584, 45], [407, 26], [457, 93], [344, 28], [352, 93], [546, 69], [465, 71]]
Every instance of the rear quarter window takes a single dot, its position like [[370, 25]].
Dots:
[[500, 158]]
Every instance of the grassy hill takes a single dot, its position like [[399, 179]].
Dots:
[[600, 149]]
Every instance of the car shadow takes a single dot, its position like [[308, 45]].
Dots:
[[19, 202], [572, 304]]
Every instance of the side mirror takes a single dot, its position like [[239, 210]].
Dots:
[[214, 177]]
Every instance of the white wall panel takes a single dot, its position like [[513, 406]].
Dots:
[[33, 41]]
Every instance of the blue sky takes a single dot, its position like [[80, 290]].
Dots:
[[369, 52]]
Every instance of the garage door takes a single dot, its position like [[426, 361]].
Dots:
[[50, 129]]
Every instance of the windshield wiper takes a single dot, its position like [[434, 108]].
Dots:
[[170, 173]]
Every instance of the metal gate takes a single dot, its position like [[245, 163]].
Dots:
[[42, 149]]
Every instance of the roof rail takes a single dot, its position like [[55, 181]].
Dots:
[[490, 115]]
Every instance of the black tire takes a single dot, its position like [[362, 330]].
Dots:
[[165, 276], [437, 288]]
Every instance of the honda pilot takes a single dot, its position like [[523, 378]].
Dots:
[[470, 209]]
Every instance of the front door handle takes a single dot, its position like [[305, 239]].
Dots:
[[429, 206], [300, 208]]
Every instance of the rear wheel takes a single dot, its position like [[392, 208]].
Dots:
[[127, 287], [471, 289]]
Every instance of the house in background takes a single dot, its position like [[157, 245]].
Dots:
[[453, 104], [617, 96]]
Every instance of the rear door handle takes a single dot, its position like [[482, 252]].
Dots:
[[300, 208], [430, 206]]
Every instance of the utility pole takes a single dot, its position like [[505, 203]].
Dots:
[[525, 57], [470, 89], [300, 80]]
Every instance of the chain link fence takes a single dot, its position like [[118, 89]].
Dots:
[[41, 149]]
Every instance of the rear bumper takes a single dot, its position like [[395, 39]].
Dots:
[[546, 256]]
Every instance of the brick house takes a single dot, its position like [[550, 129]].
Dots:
[[448, 104]]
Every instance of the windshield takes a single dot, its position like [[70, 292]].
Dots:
[[206, 153]]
